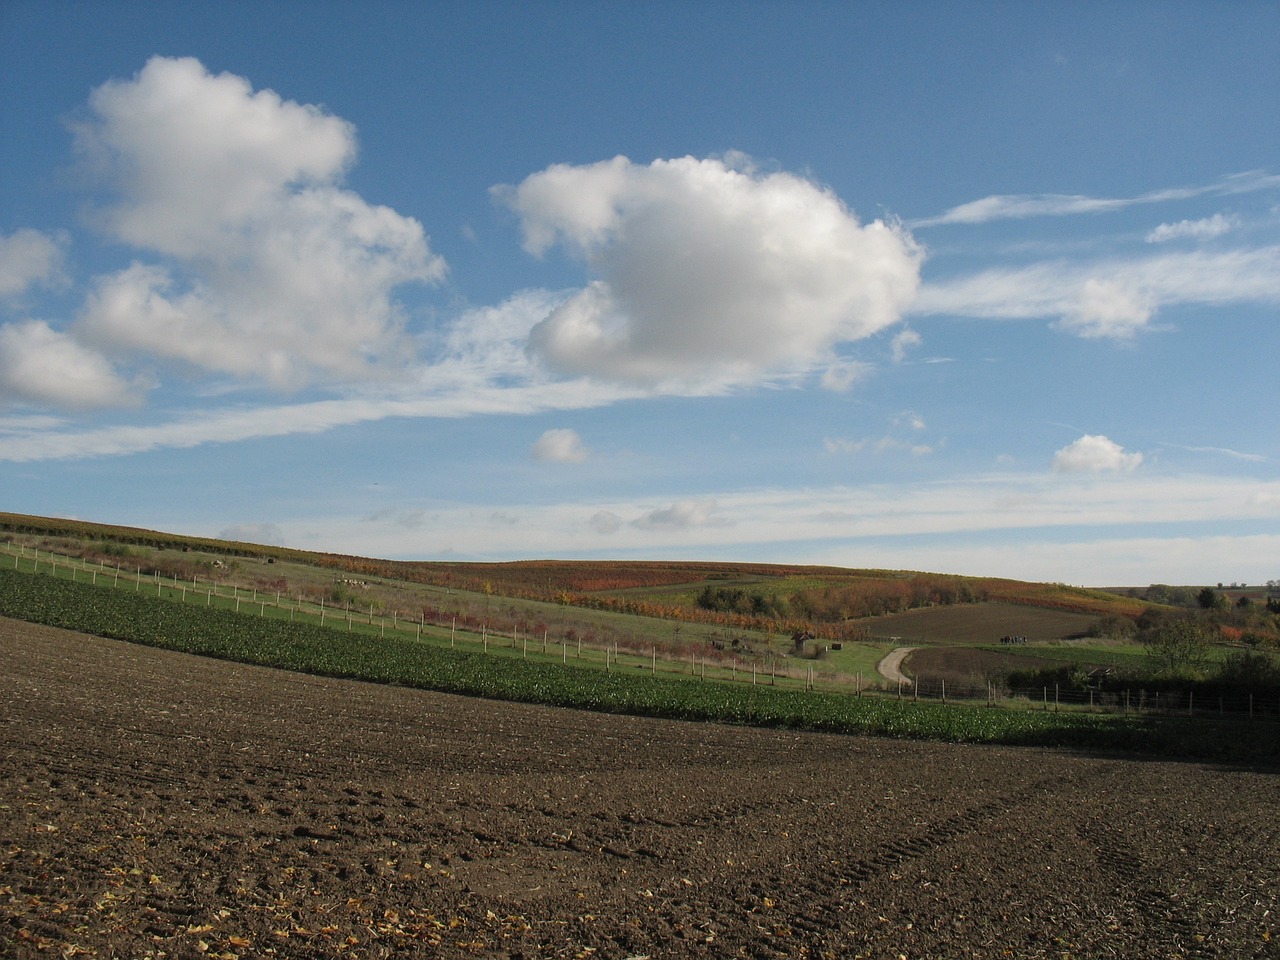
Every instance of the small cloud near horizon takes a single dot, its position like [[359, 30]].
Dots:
[[605, 522], [560, 446], [682, 514], [1095, 454]]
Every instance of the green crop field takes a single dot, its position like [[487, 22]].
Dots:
[[704, 627], [165, 619]]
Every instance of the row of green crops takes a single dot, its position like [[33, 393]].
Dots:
[[211, 631]]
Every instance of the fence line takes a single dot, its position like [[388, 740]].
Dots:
[[1129, 700], [484, 639]]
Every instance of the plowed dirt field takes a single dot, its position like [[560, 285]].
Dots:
[[154, 804]]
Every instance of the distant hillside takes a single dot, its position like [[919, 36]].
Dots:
[[775, 597]]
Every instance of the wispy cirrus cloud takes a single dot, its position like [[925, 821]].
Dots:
[[1218, 451], [903, 436], [1203, 229], [904, 341], [859, 525], [1108, 298], [35, 439], [1111, 561], [1023, 206]]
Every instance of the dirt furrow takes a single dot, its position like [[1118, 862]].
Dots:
[[156, 804]]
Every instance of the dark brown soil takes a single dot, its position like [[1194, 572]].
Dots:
[[969, 666], [160, 805], [964, 624]]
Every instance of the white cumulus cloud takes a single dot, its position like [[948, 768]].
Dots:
[[560, 446], [1095, 454], [272, 270], [29, 258], [703, 269], [46, 367]]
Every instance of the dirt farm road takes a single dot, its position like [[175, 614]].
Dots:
[[154, 804], [890, 667]]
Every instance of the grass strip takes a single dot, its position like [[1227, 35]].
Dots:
[[244, 637]]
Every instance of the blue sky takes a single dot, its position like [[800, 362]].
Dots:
[[988, 289]]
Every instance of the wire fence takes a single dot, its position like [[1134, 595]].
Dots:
[[1132, 699], [1122, 699], [438, 627]]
